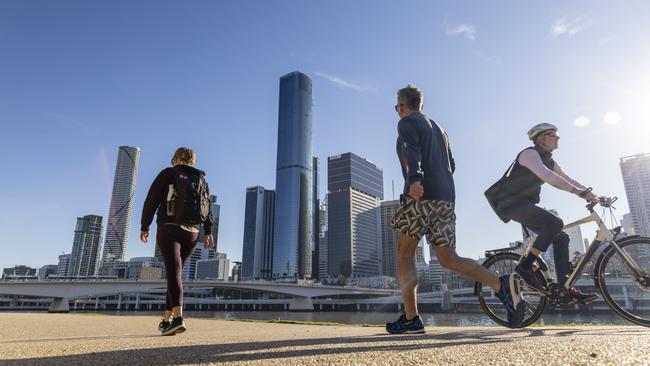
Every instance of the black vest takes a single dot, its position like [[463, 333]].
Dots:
[[522, 184]]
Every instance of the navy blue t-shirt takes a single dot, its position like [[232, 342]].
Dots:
[[425, 155]]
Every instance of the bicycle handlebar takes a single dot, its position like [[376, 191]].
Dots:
[[603, 201]]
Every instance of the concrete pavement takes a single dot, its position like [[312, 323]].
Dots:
[[76, 339]]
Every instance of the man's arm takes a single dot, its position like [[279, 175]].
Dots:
[[562, 174], [411, 153], [531, 160], [452, 163]]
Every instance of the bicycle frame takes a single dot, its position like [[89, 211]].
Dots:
[[603, 237]]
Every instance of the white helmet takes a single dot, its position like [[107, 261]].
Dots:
[[537, 129]]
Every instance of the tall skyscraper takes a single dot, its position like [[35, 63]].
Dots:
[[355, 188], [84, 259], [315, 232], [389, 237], [293, 182], [119, 216], [636, 178], [257, 254]]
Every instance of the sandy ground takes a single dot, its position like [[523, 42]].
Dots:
[[75, 339]]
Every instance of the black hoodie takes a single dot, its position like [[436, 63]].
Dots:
[[157, 197]]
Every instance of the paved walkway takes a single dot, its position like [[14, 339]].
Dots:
[[76, 339]]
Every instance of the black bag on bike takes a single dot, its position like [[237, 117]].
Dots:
[[190, 199], [494, 194]]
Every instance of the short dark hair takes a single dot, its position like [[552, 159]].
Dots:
[[410, 96]]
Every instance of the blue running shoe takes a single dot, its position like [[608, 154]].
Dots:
[[510, 295], [403, 326]]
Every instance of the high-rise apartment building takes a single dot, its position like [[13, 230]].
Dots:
[[86, 247], [355, 188], [292, 251], [257, 253], [63, 265], [389, 237], [636, 178], [119, 216]]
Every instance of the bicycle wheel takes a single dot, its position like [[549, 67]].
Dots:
[[502, 264], [628, 296]]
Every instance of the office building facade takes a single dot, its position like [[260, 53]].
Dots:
[[355, 188], [389, 237], [257, 252]]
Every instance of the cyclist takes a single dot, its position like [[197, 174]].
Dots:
[[520, 193]]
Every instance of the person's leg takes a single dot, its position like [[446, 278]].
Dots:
[[170, 250], [168, 307], [450, 260], [545, 224], [187, 244], [561, 256], [407, 274]]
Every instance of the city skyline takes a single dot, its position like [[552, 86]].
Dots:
[[73, 94]]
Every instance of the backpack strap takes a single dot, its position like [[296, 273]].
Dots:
[[509, 169]]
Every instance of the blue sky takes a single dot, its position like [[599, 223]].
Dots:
[[80, 78]]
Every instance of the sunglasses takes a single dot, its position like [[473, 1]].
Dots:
[[397, 107], [551, 133]]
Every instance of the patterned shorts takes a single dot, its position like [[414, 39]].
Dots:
[[435, 219]]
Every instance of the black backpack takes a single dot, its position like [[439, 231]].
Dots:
[[188, 200]]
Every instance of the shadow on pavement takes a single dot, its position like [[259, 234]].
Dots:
[[258, 351], [251, 351]]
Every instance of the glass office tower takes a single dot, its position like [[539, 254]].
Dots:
[[292, 251]]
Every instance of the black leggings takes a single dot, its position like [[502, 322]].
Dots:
[[548, 228], [176, 245]]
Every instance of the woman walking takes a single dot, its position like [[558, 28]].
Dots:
[[181, 197]]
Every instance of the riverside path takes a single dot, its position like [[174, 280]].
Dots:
[[89, 339]]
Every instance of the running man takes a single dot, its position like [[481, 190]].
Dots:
[[427, 209]]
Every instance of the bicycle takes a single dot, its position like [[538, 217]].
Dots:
[[621, 274]]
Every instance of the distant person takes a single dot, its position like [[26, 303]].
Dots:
[[427, 209], [519, 195], [181, 196]]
